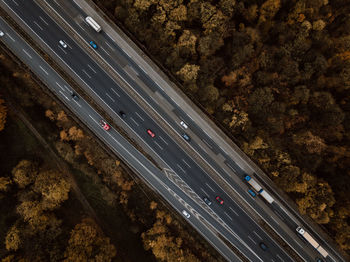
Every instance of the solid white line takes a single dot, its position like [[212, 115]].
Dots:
[[257, 235], [59, 86], [274, 220], [63, 95], [134, 121], [92, 69], [38, 25], [92, 118], [210, 187], [15, 2], [115, 92], [139, 116], [42, 19], [186, 163], [44, 70], [252, 239], [181, 168], [109, 46], [158, 145], [165, 142], [105, 50], [11, 37], [228, 216], [86, 73], [27, 53], [234, 211], [110, 97]]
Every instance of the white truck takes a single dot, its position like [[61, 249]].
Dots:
[[253, 183], [266, 196], [93, 24], [312, 241]]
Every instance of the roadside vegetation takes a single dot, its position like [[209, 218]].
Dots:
[[275, 74], [43, 218]]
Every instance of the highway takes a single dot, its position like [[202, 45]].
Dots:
[[152, 175], [182, 159]]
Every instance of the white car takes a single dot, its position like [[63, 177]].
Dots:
[[186, 214], [184, 124], [63, 44], [2, 33]]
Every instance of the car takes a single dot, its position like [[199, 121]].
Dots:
[[149, 131], [318, 259], [263, 246], [104, 125], [252, 193], [122, 114], [62, 43], [207, 201], [186, 137], [186, 214], [219, 199], [74, 95], [184, 124], [2, 33], [92, 43]]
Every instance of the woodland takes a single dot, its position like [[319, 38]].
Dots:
[[275, 75]]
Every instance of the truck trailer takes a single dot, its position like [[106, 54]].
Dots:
[[312, 241], [253, 183]]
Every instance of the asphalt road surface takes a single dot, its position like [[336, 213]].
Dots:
[[169, 147]]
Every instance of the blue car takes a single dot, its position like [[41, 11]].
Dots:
[[252, 193], [92, 43]]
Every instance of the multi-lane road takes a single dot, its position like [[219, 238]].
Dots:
[[198, 167]]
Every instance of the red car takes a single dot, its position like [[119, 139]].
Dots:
[[149, 131], [104, 125], [219, 199]]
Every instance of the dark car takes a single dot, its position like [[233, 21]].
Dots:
[[74, 96], [263, 246], [122, 114], [186, 137], [207, 201], [319, 260]]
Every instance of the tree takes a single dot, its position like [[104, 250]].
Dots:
[[3, 114], [188, 73], [269, 9], [53, 187], [5, 183], [87, 243], [312, 143], [13, 239], [24, 173]]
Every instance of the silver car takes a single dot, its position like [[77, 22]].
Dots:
[[186, 214], [184, 124], [63, 44]]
